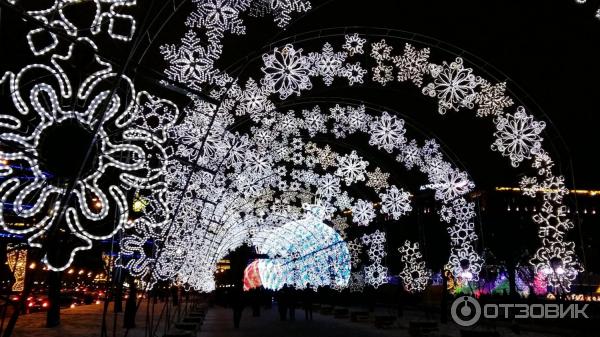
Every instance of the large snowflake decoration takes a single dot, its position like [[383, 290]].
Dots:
[[412, 65], [351, 168], [491, 99], [328, 186], [219, 16], [395, 202], [314, 121], [465, 262], [518, 136], [354, 44], [286, 71], [452, 183], [414, 275], [387, 132], [280, 9], [254, 101], [327, 64], [363, 213], [557, 262], [377, 179], [191, 62], [453, 85], [376, 275]]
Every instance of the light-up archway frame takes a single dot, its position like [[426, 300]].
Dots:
[[556, 246], [516, 157]]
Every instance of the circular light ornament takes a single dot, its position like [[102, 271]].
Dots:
[[252, 276]]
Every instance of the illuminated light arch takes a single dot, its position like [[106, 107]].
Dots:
[[555, 260]]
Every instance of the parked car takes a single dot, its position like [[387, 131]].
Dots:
[[37, 303]]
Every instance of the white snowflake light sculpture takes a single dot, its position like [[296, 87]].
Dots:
[[414, 275]]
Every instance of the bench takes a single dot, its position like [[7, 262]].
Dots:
[[384, 321], [197, 314], [197, 320], [359, 316], [424, 328], [471, 333], [187, 326], [326, 310], [179, 334], [340, 313]]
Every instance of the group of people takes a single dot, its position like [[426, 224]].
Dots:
[[289, 297]]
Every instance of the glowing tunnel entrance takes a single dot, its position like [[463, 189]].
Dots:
[[301, 252]]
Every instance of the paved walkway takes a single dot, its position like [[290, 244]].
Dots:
[[219, 323], [85, 321]]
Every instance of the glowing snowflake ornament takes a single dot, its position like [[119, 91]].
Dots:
[[414, 275], [395, 202], [518, 136], [286, 71], [363, 213]]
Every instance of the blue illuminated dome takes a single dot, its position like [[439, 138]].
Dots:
[[305, 251]]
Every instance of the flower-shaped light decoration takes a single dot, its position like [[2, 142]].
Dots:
[[76, 155]]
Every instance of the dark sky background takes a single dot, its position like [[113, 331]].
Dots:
[[548, 52], [551, 49]]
